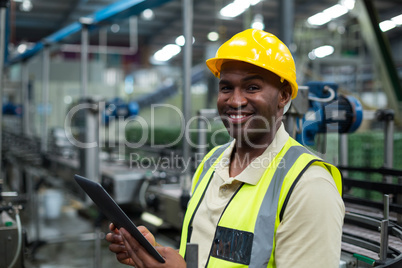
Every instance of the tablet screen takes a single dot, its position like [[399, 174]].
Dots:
[[114, 213]]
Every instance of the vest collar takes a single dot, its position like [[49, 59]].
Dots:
[[255, 170]]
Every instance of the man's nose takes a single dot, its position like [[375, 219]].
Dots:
[[237, 99]]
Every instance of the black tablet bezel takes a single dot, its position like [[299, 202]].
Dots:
[[114, 213]]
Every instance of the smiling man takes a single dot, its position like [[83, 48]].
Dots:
[[262, 200], [251, 102]]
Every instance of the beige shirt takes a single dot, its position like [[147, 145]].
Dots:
[[311, 229]]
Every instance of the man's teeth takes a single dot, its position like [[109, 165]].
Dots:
[[237, 116]]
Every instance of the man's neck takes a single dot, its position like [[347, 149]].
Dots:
[[245, 152]]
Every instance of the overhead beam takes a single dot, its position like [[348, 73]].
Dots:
[[117, 11], [67, 17], [379, 47]]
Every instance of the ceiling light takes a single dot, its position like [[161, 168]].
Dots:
[[349, 4], [167, 52], [148, 14], [180, 40], [331, 13], [68, 99], [318, 19], [335, 11], [387, 25], [22, 48], [311, 56], [115, 28], [258, 22], [323, 51], [234, 9], [26, 6], [254, 2], [397, 20], [213, 36]]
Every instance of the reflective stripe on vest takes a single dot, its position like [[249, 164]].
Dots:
[[210, 161], [265, 224], [204, 170], [245, 236]]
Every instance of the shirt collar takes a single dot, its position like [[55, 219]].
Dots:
[[254, 171]]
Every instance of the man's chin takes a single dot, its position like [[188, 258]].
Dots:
[[247, 139]]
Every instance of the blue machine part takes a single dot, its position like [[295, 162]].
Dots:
[[328, 112], [10, 108], [117, 108], [358, 111]]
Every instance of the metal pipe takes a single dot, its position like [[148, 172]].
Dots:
[[389, 146], [98, 247], [97, 50], [202, 136], [287, 20], [399, 202], [84, 60], [25, 98], [102, 48], [384, 230], [45, 97], [91, 160], [133, 34], [34, 203], [203, 115], [384, 240], [186, 102], [386, 207], [343, 152], [3, 7]]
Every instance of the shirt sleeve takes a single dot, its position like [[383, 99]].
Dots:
[[311, 229]]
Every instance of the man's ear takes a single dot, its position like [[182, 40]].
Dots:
[[285, 94]]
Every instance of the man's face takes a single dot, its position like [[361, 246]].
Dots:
[[250, 102]]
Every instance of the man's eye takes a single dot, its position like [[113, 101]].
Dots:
[[225, 88], [253, 88]]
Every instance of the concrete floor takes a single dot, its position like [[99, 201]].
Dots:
[[69, 240]]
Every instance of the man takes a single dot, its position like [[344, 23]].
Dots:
[[262, 200]]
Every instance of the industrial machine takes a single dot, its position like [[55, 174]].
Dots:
[[11, 231], [328, 112]]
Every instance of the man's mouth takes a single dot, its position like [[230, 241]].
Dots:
[[238, 118], [234, 116]]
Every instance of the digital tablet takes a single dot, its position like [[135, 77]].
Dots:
[[114, 213]]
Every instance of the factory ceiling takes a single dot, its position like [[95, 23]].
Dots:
[[33, 22]]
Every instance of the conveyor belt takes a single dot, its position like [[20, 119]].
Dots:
[[362, 236]]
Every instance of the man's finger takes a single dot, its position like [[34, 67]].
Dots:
[[114, 238], [116, 248], [132, 246]]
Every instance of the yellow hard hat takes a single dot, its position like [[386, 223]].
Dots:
[[259, 48]]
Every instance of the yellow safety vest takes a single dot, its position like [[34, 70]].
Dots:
[[245, 235]]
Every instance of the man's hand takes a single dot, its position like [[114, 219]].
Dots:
[[117, 246], [128, 251]]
